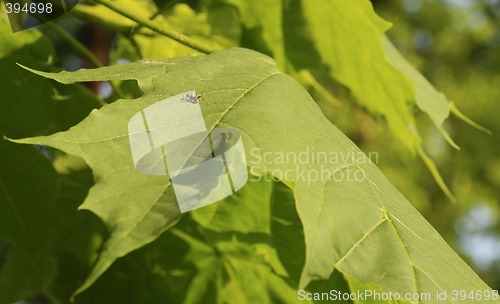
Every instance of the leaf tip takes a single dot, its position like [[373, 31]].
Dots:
[[40, 73], [435, 173], [10, 139], [448, 139], [469, 121]]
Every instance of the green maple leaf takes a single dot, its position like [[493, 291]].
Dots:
[[365, 229]]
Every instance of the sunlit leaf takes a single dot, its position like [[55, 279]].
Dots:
[[364, 228]]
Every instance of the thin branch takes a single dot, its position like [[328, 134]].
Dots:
[[183, 39]]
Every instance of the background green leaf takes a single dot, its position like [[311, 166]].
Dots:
[[27, 237]]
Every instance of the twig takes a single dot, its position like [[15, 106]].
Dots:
[[156, 28]]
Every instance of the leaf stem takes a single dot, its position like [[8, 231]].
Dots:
[[183, 39]]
